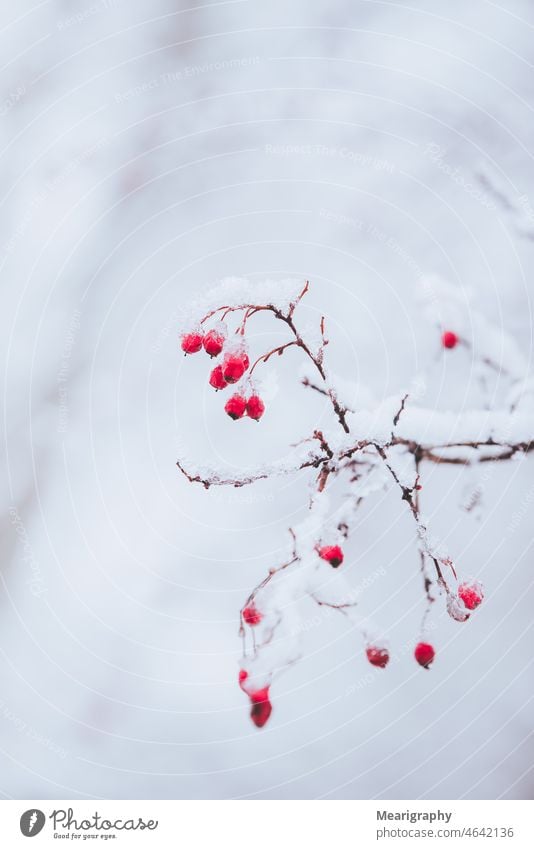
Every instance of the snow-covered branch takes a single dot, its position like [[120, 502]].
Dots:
[[365, 447]]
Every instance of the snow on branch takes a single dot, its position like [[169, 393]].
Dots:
[[364, 448], [514, 204], [237, 294], [302, 457]]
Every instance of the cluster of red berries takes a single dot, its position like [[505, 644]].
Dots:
[[239, 406], [260, 703], [379, 656], [472, 595], [470, 592], [212, 342], [261, 707], [234, 366]]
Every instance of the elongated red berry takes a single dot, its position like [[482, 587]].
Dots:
[[216, 378], [377, 656], [236, 407], [260, 713], [261, 707], [192, 342], [252, 615], [214, 341], [332, 554], [424, 654], [255, 407], [471, 593], [449, 339]]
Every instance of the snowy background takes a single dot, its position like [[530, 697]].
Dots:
[[147, 150]]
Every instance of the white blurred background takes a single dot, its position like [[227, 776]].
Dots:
[[147, 150]]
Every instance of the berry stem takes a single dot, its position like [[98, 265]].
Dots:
[[266, 357]]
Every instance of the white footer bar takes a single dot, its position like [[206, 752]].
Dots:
[[269, 824]]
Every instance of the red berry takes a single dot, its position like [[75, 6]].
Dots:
[[243, 675], [258, 696], [449, 339], [236, 407], [260, 713], [377, 656], [214, 342], [332, 554], [235, 365], [471, 593], [252, 615], [424, 654], [216, 378], [456, 609], [192, 342], [261, 707], [255, 407]]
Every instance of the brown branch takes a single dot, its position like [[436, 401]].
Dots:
[[307, 382], [428, 452], [411, 496], [401, 410], [341, 607], [424, 453], [251, 600], [322, 480], [266, 357], [299, 299], [317, 359], [249, 308]]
